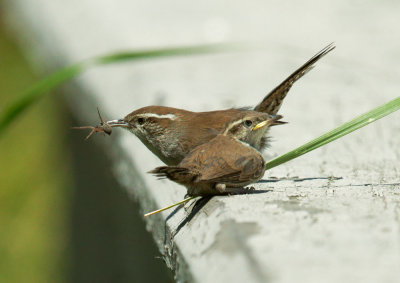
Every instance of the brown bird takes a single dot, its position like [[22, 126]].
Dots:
[[225, 164], [171, 133]]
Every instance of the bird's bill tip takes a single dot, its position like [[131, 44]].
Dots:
[[272, 120], [118, 123]]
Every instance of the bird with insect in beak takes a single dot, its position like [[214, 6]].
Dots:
[[225, 164], [171, 133]]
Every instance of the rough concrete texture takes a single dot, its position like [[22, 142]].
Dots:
[[332, 215]]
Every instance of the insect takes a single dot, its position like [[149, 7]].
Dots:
[[103, 127]]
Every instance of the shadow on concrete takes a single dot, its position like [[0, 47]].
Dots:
[[200, 203], [297, 179]]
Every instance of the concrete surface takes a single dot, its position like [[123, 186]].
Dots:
[[331, 215]]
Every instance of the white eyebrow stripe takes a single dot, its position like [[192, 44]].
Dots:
[[166, 116], [233, 125]]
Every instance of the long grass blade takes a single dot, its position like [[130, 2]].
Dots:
[[169, 206], [347, 128], [8, 114]]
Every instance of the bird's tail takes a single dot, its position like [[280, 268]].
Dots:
[[177, 174], [273, 101]]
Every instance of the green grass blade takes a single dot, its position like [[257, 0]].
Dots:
[[338, 132], [169, 206], [35, 92], [41, 88], [164, 52]]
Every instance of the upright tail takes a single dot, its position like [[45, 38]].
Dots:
[[177, 174], [273, 101]]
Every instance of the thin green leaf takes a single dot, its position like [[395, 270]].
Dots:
[[334, 134], [35, 92], [150, 54], [38, 90], [169, 206]]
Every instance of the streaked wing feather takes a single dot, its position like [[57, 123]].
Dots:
[[243, 169]]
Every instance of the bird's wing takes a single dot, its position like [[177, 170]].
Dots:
[[243, 169]]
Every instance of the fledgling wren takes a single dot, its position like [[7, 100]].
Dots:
[[225, 163], [171, 133]]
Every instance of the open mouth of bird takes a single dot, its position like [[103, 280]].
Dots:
[[272, 120]]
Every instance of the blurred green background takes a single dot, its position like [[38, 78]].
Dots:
[[60, 222], [34, 195]]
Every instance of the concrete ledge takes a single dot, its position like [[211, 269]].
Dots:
[[332, 215]]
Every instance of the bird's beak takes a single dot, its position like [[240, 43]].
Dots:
[[118, 123], [271, 121]]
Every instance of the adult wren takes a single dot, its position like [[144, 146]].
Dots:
[[172, 133], [225, 164]]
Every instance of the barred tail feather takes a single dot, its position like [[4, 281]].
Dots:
[[273, 101], [174, 173]]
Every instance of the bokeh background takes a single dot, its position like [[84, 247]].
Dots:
[[63, 218], [34, 195]]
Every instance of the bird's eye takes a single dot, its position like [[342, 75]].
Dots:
[[140, 121], [248, 123]]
